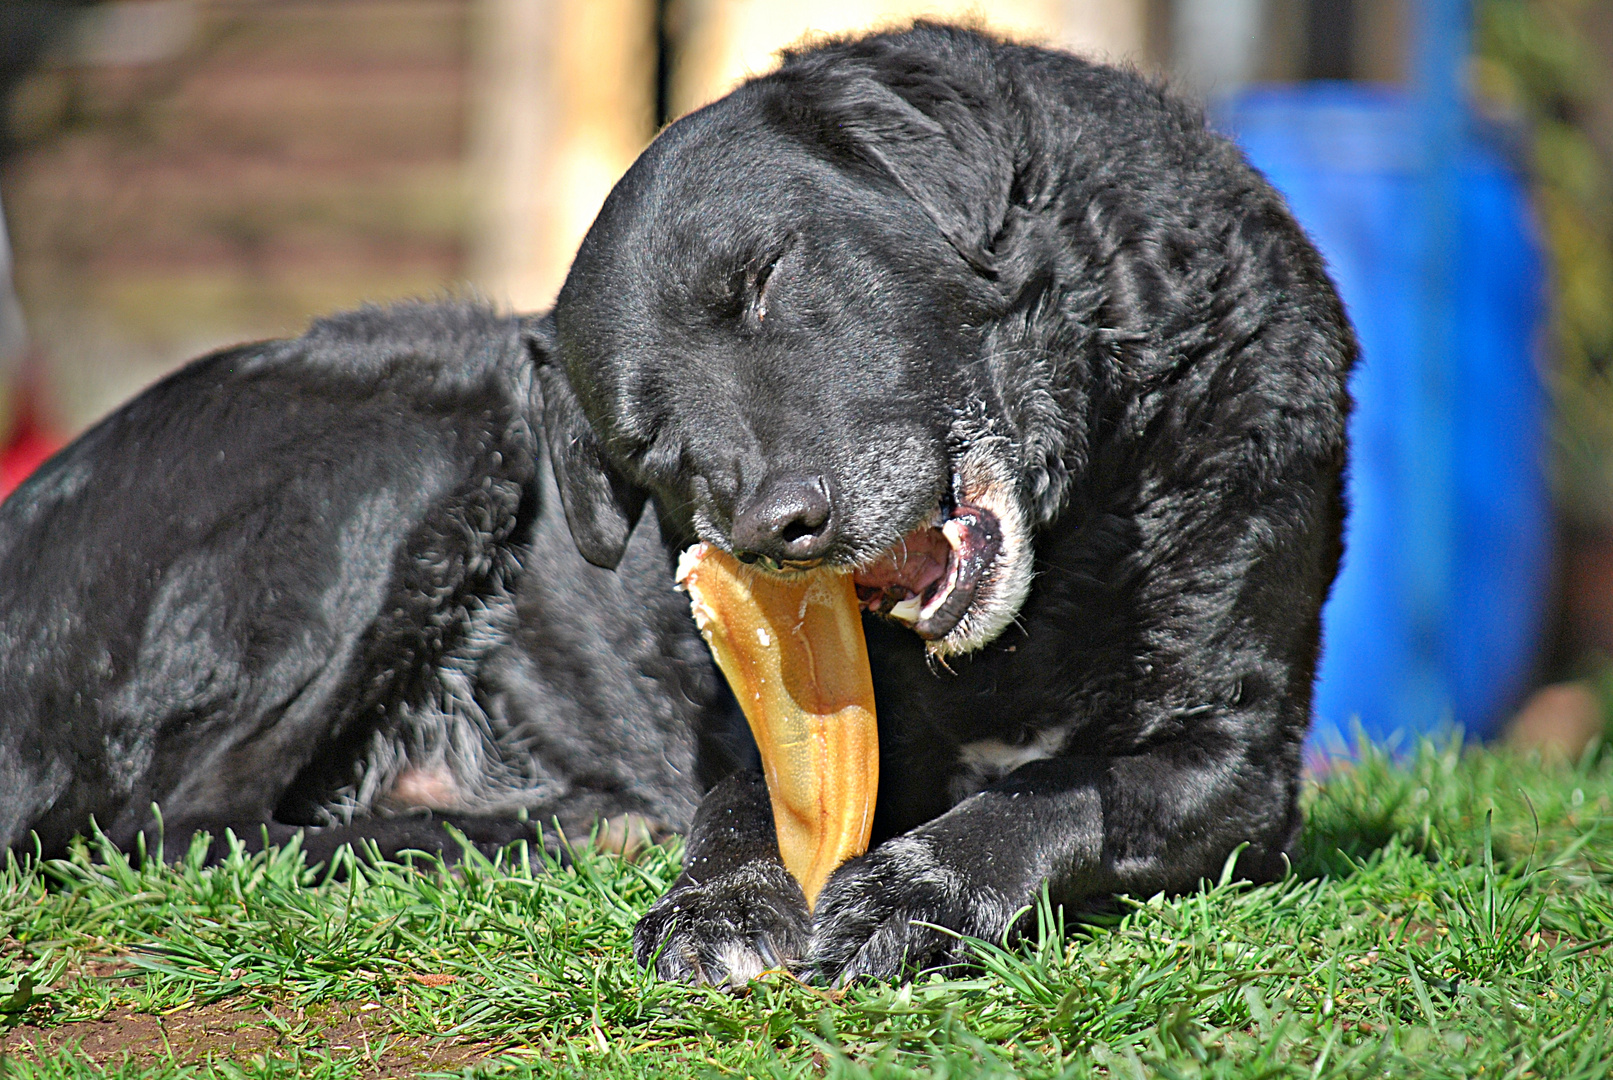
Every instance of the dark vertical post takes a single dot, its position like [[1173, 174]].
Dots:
[[664, 59], [1330, 39]]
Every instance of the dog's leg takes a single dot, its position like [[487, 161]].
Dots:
[[1164, 819], [735, 911]]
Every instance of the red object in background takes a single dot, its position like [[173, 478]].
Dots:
[[29, 445]]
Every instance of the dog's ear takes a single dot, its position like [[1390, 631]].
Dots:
[[601, 505], [920, 126]]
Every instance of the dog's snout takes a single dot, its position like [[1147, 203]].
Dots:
[[788, 521]]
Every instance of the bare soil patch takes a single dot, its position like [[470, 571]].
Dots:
[[225, 1032]]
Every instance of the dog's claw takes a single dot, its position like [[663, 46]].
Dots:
[[878, 916], [763, 944], [727, 930]]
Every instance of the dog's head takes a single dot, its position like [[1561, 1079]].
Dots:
[[782, 324]]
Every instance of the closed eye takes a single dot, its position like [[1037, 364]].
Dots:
[[763, 277], [762, 280]]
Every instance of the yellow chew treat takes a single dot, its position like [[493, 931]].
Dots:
[[793, 651]]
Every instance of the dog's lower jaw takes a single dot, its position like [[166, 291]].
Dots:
[[958, 580], [984, 480]]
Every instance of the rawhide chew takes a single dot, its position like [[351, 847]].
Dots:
[[793, 651]]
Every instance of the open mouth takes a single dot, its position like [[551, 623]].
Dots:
[[929, 578]]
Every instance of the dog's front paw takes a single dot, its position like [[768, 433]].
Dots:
[[726, 930], [877, 917]]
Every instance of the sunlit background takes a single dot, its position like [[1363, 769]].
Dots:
[[181, 174]]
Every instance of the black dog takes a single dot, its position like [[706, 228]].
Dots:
[[1052, 369], [1008, 333], [326, 582]]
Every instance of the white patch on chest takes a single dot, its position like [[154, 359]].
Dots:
[[989, 760]]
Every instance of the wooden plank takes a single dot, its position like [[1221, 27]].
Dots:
[[565, 100]]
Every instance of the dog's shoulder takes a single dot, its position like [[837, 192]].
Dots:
[[441, 346]]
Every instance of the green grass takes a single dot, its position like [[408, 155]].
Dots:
[[1452, 917]]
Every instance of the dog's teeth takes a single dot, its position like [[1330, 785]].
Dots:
[[953, 530], [908, 610]]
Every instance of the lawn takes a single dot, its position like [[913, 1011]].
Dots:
[[1452, 917]]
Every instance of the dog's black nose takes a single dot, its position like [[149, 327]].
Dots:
[[788, 521]]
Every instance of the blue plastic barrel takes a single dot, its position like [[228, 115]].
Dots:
[[1437, 613]]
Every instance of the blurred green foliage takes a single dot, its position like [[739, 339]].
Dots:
[[1534, 63]]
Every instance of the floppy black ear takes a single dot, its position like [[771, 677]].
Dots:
[[944, 144], [602, 506]]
